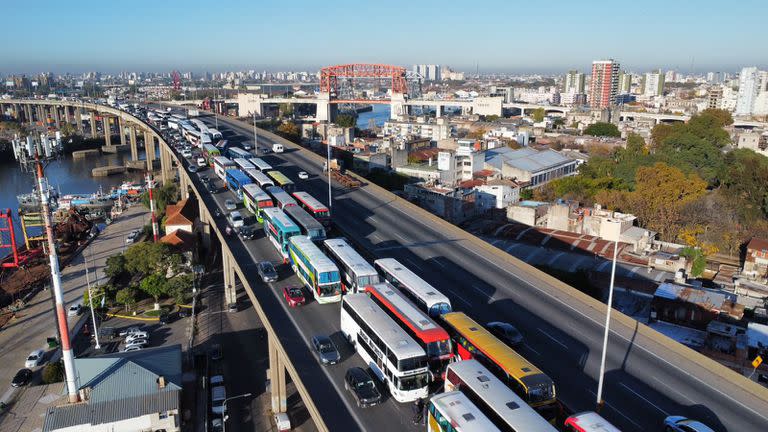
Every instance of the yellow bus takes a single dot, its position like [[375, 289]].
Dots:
[[531, 384]]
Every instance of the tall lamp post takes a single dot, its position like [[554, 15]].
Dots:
[[90, 299], [328, 165], [600, 401], [224, 407], [255, 136]]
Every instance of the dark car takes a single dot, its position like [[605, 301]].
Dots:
[[506, 332], [362, 387], [166, 318], [247, 232], [267, 272], [21, 378], [325, 349]]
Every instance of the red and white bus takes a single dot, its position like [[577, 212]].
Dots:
[[588, 422], [435, 341], [314, 207]]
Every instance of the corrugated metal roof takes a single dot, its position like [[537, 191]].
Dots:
[[526, 159], [706, 299]]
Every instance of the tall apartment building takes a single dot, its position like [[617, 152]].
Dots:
[[653, 83], [604, 85], [625, 82], [715, 97], [574, 82], [749, 87], [430, 72]]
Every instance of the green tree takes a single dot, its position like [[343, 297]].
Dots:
[[167, 194], [180, 288], [538, 115], [126, 297], [602, 129], [636, 144], [115, 265], [697, 258], [660, 132], [53, 373], [724, 117], [744, 174], [155, 286], [288, 130], [345, 120], [67, 130], [99, 293], [526, 194], [147, 258]]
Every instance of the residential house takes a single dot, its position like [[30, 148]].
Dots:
[[122, 392], [692, 306], [455, 205], [756, 260]]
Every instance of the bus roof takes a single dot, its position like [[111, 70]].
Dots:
[[222, 161], [413, 317], [243, 163], [512, 363], [276, 216], [310, 201], [238, 175], [590, 421], [303, 218], [259, 177], [414, 283], [238, 151], [279, 194], [210, 148], [261, 164], [313, 253], [279, 177], [464, 415], [254, 192], [398, 341], [350, 257], [505, 402]]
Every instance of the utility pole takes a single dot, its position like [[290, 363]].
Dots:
[[600, 401], [66, 349], [255, 134], [328, 165], [150, 186], [90, 299]]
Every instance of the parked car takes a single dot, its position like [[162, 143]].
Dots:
[[135, 336], [217, 425], [107, 332], [294, 296], [21, 378], [75, 310], [506, 332], [325, 350], [132, 348], [362, 387], [684, 424], [130, 330], [35, 358], [247, 232], [230, 204], [267, 272], [137, 343], [236, 219], [232, 307], [201, 162], [303, 175], [132, 236], [186, 153]]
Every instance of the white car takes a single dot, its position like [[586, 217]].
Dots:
[[34, 359], [130, 330], [303, 175], [201, 162], [187, 153], [236, 219], [141, 343], [132, 236], [74, 310], [135, 336], [132, 348]]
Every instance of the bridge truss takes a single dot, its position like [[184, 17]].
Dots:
[[339, 81]]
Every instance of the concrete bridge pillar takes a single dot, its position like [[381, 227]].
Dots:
[[107, 131], [56, 118], [28, 114], [399, 108], [276, 375], [149, 149], [166, 165], [41, 113], [230, 278], [79, 120], [205, 224], [134, 146], [183, 183], [323, 107], [121, 128], [93, 124], [438, 111], [67, 115]]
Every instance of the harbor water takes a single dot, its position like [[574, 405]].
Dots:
[[379, 114]]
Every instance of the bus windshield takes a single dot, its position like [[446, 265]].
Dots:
[[540, 388], [332, 289], [438, 348], [413, 382], [367, 280], [439, 309]]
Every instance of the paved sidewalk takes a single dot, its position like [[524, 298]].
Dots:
[[32, 325]]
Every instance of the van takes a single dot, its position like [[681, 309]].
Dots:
[[277, 148], [218, 396]]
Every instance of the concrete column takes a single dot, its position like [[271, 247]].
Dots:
[[438, 111], [41, 113], [149, 149], [67, 115], [107, 131], [93, 124], [30, 114], [121, 128], [79, 119], [183, 183], [277, 378], [230, 279], [27, 113], [56, 118], [166, 166], [205, 224], [134, 147]]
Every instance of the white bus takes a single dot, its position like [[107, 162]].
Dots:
[[454, 412], [215, 134], [261, 165], [199, 125], [237, 152], [416, 288], [260, 178], [393, 356], [220, 166], [508, 411], [243, 164], [356, 273], [319, 274]]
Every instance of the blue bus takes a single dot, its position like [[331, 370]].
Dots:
[[235, 180], [278, 228], [316, 270], [237, 152]]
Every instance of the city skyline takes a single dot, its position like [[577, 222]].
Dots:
[[501, 38]]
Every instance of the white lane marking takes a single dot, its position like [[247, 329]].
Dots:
[[641, 397], [673, 390], [554, 339], [531, 348], [617, 411]]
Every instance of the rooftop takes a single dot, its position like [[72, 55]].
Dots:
[[526, 159], [720, 302]]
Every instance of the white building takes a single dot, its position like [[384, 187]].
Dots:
[[435, 131], [749, 88], [574, 82], [430, 72], [653, 83], [501, 193]]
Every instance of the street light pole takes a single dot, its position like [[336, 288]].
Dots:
[[224, 410], [255, 136], [90, 298], [600, 401], [330, 198]]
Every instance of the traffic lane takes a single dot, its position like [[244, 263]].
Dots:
[[323, 396], [595, 334], [316, 319]]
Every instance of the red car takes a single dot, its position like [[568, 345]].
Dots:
[[294, 296]]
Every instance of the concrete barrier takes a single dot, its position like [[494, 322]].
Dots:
[[108, 170], [80, 154]]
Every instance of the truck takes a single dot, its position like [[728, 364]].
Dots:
[[277, 148]]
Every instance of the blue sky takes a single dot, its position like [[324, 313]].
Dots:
[[515, 36]]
